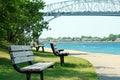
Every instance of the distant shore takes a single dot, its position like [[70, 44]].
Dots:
[[85, 42]]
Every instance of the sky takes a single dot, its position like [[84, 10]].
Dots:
[[76, 26]]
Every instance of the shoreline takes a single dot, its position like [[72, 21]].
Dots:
[[107, 66], [91, 47], [79, 52]]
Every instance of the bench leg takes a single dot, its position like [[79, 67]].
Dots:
[[41, 76], [37, 48], [28, 76], [61, 60], [42, 48]]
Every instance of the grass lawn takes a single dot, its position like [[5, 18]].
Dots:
[[73, 69]]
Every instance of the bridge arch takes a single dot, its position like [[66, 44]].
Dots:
[[83, 8]]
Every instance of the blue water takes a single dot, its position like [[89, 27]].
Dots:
[[95, 47]]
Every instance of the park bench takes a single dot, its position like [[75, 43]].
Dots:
[[38, 47], [59, 52], [21, 54], [35, 45]]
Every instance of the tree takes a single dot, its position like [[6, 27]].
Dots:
[[21, 19], [112, 37]]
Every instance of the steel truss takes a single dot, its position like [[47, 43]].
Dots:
[[83, 8]]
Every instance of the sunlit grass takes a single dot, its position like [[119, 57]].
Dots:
[[73, 69]]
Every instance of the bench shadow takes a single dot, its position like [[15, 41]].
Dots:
[[73, 65]]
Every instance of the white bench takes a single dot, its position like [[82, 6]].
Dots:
[[21, 54]]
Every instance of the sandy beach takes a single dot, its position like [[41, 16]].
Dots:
[[107, 66]]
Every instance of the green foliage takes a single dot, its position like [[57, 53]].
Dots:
[[112, 37], [20, 19]]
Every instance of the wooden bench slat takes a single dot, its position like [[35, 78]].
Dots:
[[23, 59], [21, 53], [20, 47], [37, 67]]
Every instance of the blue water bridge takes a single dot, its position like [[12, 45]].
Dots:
[[82, 8]]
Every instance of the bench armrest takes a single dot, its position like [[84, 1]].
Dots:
[[60, 50]]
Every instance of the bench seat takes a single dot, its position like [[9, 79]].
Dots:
[[37, 67]]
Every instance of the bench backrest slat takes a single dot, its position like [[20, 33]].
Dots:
[[20, 47], [21, 53], [22, 59], [54, 49]]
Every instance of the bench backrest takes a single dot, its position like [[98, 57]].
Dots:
[[54, 49], [20, 53]]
